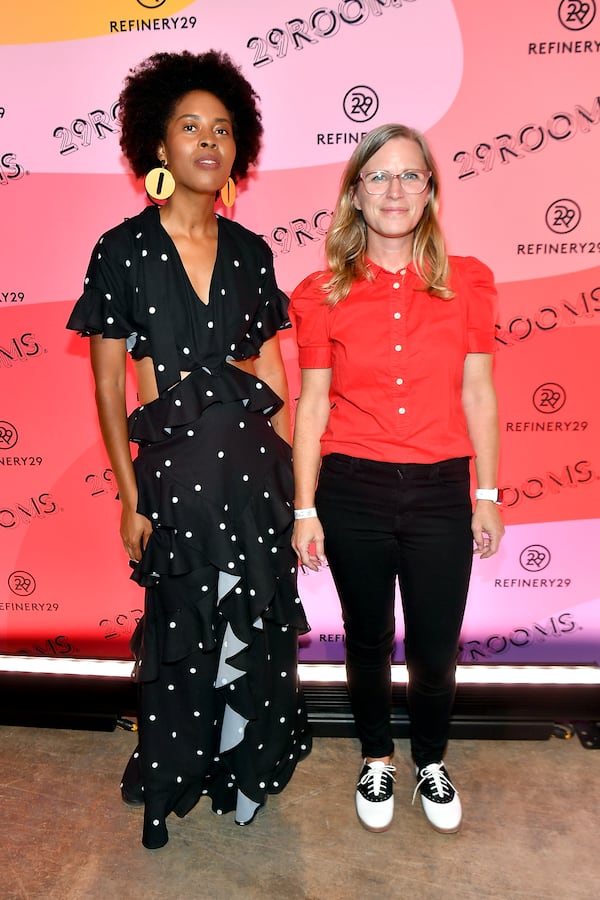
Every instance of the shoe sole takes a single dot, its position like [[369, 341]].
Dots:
[[444, 830], [133, 804]]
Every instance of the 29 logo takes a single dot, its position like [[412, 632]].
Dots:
[[576, 14]]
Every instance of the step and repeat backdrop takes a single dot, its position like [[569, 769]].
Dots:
[[509, 97]]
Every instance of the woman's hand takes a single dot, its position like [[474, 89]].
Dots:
[[487, 528], [135, 533], [309, 533]]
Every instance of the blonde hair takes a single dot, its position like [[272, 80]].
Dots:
[[346, 241]]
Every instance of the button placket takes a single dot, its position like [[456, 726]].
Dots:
[[398, 339]]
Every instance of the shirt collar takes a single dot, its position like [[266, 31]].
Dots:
[[376, 270]]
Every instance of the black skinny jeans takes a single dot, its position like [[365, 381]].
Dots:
[[412, 522]]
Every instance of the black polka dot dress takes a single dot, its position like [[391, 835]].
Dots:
[[220, 708]]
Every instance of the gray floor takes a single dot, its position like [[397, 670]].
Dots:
[[531, 828]]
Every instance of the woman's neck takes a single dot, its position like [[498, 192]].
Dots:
[[390, 255], [193, 216]]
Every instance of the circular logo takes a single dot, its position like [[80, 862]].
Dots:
[[21, 583], [534, 558], [151, 4], [563, 216], [8, 435], [549, 397], [361, 103], [576, 14]]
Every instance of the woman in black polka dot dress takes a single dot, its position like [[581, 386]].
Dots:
[[207, 502]]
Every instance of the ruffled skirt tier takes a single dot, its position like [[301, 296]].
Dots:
[[220, 708]]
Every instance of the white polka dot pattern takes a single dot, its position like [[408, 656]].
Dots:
[[221, 585]]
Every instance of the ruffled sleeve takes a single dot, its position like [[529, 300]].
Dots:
[[311, 317], [271, 313], [477, 282], [104, 306]]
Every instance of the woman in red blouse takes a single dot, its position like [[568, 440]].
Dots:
[[395, 346]]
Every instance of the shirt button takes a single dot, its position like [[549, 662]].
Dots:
[[397, 315], [399, 380], [401, 410], [396, 285], [398, 347]]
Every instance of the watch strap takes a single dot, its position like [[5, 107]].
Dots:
[[493, 494]]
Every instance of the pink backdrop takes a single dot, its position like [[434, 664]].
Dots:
[[506, 94]]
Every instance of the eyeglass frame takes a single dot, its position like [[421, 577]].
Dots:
[[393, 175]]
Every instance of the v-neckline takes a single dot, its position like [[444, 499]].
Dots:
[[206, 303]]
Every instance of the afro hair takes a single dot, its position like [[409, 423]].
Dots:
[[153, 88]]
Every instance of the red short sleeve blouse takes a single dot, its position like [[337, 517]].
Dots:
[[397, 356]]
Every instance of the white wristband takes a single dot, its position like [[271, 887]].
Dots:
[[305, 513], [492, 494]]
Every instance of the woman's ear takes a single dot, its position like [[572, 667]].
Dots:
[[354, 200]]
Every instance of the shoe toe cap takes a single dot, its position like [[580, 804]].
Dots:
[[443, 817], [375, 816]]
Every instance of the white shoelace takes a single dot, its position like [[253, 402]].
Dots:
[[373, 777], [439, 783]]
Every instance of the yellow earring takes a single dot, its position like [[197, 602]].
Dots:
[[159, 183], [228, 192]]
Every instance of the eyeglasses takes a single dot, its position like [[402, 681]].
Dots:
[[413, 181]]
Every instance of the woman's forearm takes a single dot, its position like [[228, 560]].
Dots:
[[312, 416], [112, 416], [481, 413], [108, 366]]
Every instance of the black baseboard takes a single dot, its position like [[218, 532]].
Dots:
[[481, 711], [495, 712]]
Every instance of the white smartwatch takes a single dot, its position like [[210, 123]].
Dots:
[[493, 494]]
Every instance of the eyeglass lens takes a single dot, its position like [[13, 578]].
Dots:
[[413, 181]]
